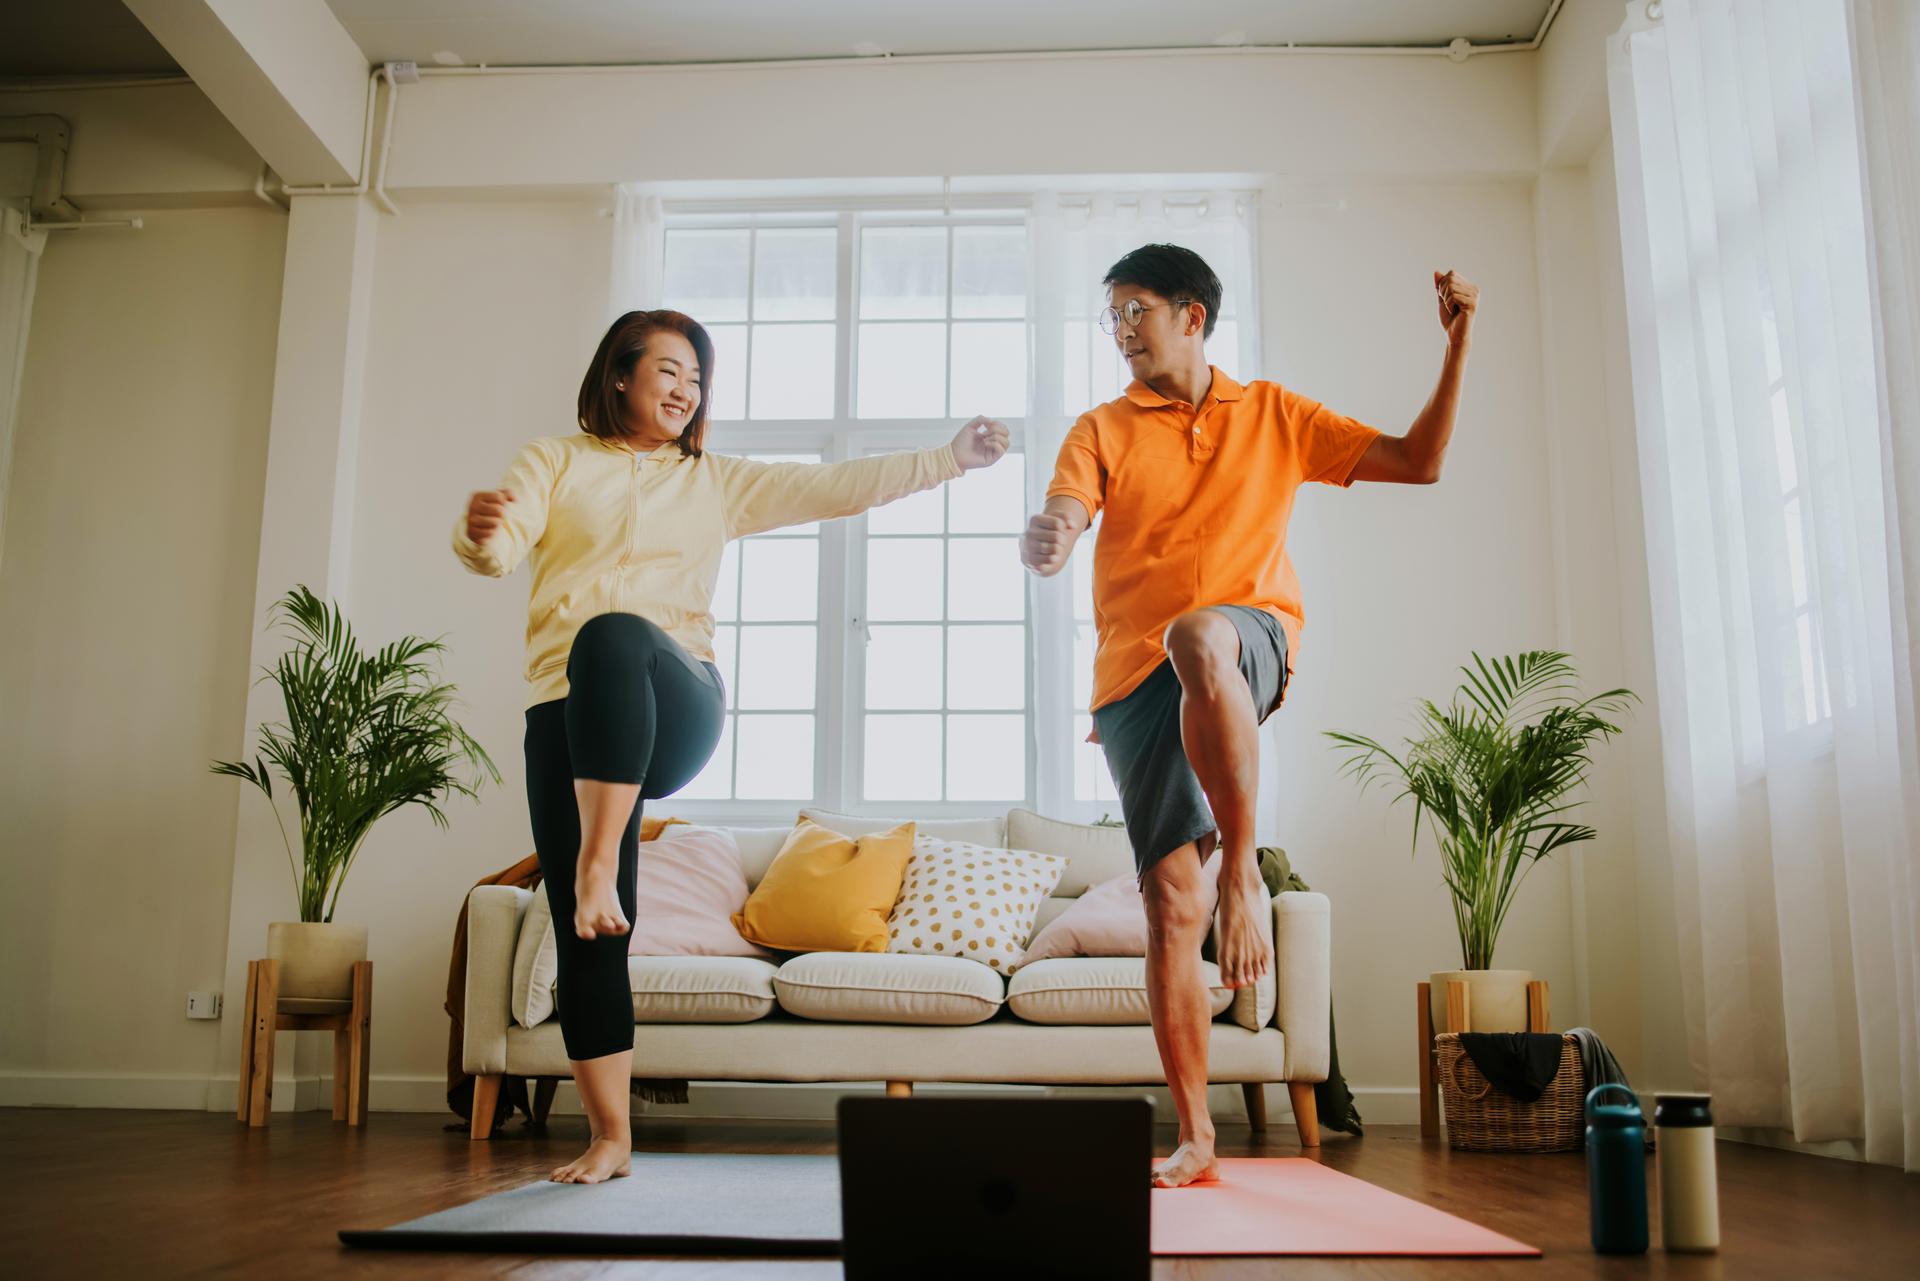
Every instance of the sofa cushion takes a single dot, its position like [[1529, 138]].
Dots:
[[865, 987], [991, 830], [1108, 920], [966, 900], [700, 989], [687, 886], [1095, 990], [1097, 853], [759, 846], [534, 963], [828, 891], [1253, 1006]]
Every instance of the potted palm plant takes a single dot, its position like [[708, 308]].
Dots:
[[365, 734], [1493, 774]]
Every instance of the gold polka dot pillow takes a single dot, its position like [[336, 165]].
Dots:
[[971, 901]]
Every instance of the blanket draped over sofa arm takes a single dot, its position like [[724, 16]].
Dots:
[[1303, 919]]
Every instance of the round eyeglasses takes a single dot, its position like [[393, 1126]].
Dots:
[[1131, 313]]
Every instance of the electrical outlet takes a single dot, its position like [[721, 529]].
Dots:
[[203, 1005]]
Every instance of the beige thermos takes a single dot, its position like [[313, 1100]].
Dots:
[[1689, 1192]]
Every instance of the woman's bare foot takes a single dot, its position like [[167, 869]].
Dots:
[[1192, 1162], [1246, 929], [604, 1159], [596, 908]]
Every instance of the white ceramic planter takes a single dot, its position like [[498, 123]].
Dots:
[[1496, 999], [316, 960]]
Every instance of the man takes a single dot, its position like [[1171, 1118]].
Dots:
[[1199, 615]]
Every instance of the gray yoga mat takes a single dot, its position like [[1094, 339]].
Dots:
[[672, 1203]]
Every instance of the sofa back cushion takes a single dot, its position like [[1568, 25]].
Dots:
[[1095, 853], [989, 831]]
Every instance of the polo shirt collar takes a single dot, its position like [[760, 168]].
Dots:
[[1224, 388]]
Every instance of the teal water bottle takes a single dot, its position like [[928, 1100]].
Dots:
[[1617, 1173]]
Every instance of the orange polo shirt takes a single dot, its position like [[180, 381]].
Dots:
[[1197, 504]]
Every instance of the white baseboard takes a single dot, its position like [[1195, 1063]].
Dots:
[[706, 1099]]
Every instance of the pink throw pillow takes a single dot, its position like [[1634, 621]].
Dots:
[[690, 882], [1110, 919]]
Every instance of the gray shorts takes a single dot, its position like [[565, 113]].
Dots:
[[1160, 798]]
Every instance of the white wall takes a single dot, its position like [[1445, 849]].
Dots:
[[485, 310], [1403, 584], [484, 316], [125, 597]]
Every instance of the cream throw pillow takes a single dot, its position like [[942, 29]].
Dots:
[[970, 901]]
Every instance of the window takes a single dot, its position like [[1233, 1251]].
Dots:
[[766, 642], [839, 336], [944, 642], [904, 661]]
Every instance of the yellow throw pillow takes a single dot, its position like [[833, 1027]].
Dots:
[[826, 892]]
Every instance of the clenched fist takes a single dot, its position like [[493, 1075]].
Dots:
[[981, 443], [1045, 546], [485, 511], [1459, 300]]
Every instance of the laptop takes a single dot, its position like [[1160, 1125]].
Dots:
[[1045, 1189]]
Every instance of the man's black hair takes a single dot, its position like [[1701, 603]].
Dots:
[[1176, 274]]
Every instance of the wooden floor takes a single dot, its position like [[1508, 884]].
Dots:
[[183, 1194]]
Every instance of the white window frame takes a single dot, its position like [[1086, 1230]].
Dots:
[[840, 675]]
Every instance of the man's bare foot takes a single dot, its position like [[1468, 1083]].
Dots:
[[1246, 929], [1192, 1162], [596, 908], [604, 1159]]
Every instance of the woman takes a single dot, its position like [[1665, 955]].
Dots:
[[625, 523]]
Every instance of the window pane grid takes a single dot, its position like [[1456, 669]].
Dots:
[[920, 744], [969, 711], [980, 365], [766, 645]]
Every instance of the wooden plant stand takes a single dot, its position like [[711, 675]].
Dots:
[[350, 1021]]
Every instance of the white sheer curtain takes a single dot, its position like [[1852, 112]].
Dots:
[[639, 252], [1765, 153], [1072, 240]]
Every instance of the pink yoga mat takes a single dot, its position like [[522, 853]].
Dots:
[[1291, 1205]]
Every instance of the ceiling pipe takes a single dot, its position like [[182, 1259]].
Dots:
[[372, 156], [1458, 50]]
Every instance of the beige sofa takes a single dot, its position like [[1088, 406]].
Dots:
[[858, 1017]]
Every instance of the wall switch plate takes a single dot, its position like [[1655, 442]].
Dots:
[[203, 1005]]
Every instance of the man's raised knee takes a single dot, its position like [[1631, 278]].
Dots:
[[1202, 641]]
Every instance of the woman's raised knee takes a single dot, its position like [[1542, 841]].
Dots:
[[626, 635]]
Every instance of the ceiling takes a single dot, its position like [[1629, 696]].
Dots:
[[98, 37]]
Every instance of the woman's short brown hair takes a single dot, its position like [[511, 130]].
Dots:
[[600, 398]]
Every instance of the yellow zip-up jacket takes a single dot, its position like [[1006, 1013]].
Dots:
[[611, 531]]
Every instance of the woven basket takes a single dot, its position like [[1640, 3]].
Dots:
[[1483, 1119]]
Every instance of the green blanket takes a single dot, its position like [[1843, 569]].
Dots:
[[1332, 1099]]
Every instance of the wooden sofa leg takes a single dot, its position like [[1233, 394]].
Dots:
[[899, 1089], [1305, 1118], [1255, 1093], [486, 1097]]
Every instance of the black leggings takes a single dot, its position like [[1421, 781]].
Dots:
[[638, 709]]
